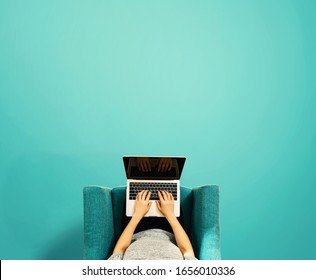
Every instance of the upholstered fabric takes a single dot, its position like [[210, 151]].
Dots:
[[104, 207], [205, 222]]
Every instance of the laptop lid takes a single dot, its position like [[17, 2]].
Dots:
[[153, 167]]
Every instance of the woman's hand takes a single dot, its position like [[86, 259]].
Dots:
[[142, 204], [166, 207], [165, 203]]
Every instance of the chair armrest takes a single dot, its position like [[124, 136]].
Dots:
[[98, 223], [205, 227]]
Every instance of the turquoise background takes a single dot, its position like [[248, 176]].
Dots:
[[229, 84]]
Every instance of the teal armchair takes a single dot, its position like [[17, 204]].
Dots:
[[104, 207]]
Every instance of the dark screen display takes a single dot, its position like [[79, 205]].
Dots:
[[154, 168]]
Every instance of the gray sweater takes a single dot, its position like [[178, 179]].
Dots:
[[152, 244]]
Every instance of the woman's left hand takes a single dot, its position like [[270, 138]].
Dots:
[[142, 204]]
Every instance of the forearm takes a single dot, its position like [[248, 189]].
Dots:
[[126, 237], [181, 237]]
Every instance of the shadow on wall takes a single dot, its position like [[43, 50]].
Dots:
[[42, 208], [41, 202], [67, 247]]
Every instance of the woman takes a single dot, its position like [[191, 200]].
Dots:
[[153, 243]]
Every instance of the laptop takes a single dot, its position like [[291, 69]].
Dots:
[[154, 174]]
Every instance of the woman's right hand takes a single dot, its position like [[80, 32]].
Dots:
[[142, 204], [165, 203]]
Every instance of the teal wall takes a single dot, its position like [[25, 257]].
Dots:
[[229, 84]]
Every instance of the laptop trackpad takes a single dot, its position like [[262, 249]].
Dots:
[[154, 211]]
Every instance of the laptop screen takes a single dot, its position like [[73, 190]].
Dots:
[[153, 168]]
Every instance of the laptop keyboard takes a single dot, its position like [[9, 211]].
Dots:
[[136, 187]]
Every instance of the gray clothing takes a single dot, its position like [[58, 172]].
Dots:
[[152, 244]]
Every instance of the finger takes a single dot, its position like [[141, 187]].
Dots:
[[148, 206], [148, 196], [139, 196], [158, 205], [144, 195], [160, 196], [171, 196], [168, 195], [165, 196]]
